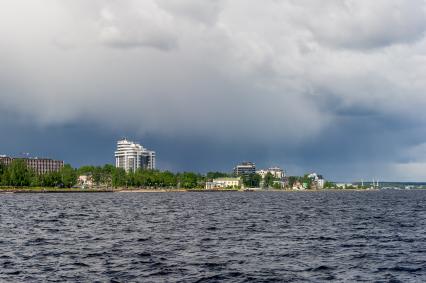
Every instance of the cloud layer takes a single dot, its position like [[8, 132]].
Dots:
[[289, 77]]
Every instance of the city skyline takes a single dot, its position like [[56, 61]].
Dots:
[[335, 88]]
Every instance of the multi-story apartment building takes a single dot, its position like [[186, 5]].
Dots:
[[131, 156], [38, 165], [245, 168]]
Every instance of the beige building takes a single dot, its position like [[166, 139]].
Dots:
[[221, 183]]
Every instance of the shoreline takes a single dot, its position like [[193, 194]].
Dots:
[[162, 190]]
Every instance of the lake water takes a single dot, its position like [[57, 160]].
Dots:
[[214, 237]]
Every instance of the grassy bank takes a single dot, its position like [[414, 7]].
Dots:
[[51, 190], [145, 190]]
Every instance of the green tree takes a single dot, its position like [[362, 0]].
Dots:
[[252, 180], [269, 180], [85, 170], [51, 179], [18, 173], [168, 179], [215, 175], [188, 180], [292, 180], [329, 185], [119, 177], [3, 169], [68, 176]]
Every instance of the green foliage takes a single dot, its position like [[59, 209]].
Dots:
[[329, 185], [68, 176], [18, 174], [215, 175], [188, 180], [306, 180], [119, 178], [51, 179], [292, 180], [277, 186], [252, 180], [269, 180], [2, 170]]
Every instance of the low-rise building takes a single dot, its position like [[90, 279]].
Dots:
[[276, 172], [85, 181], [298, 186], [318, 180], [221, 183]]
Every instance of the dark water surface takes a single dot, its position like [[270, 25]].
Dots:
[[214, 237]]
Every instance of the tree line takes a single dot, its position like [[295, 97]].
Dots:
[[17, 174]]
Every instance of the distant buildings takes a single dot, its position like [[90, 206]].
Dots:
[[85, 181], [245, 168], [317, 180], [276, 172], [38, 165], [131, 156], [221, 183]]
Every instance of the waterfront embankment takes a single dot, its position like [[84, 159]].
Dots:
[[152, 190]]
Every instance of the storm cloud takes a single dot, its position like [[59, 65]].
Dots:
[[332, 86]]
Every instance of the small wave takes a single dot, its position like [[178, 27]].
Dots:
[[81, 264], [320, 268]]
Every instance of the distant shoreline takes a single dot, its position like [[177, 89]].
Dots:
[[162, 190]]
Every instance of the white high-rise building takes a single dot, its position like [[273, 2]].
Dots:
[[131, 156]]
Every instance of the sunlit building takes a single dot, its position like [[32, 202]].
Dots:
[[276, 172], [221, 183], [130, 156]]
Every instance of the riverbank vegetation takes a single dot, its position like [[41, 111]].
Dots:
[[17, 175]]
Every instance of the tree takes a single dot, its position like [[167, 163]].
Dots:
[[119, 177], [269, 180], [97, 175], [329, 185], [50, 179], [68, 176], [252, 180], [3, 169], [188, 180], [168, 179], [215, 175], [18, 173], [292, 180]]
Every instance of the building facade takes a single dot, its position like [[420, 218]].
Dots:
[[131, 156], [38, 165], [275, 171], [245, 168], [224, 183], [318, 180]]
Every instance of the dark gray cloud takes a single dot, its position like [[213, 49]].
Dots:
[[336, 86]]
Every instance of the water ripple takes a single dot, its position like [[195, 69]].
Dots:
[[214, 237]]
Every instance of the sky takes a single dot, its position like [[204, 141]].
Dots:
[[335, 86]]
